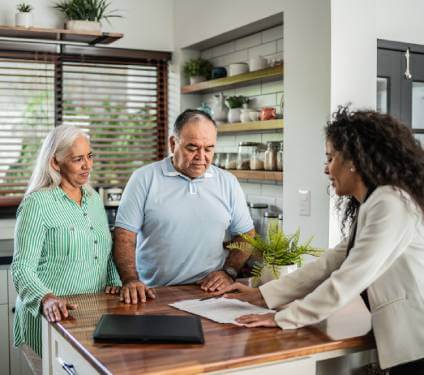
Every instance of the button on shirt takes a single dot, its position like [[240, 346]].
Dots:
[[181, 222], [60, 248]]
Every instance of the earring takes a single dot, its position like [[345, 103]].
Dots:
[[352, 169]]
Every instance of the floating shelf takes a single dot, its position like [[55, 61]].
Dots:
[[267, 74], [257, 175], [253, 126], [59, 35]]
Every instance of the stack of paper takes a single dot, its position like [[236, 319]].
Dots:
[[221, 310]]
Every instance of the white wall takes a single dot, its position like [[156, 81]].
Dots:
[[146, 24], [400, 21]]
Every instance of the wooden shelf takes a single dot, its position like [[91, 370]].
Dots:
[[59, 35], [257, 175], [253, 126], [267, 74]]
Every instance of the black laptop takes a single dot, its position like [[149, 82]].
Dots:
[[149, 329]]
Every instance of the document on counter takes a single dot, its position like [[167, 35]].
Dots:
[[221, 310]]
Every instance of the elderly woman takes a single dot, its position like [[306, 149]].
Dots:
[[62, 239], [375, 163]]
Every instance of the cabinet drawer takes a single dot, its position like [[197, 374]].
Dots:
[[64, 353], [3, 287]]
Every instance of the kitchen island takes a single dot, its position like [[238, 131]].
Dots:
[[68, 346]]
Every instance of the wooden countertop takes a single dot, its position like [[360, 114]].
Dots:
[[226, 346]]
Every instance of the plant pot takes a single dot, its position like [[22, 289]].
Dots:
[[196, 79], [234, 115], [270, 273], [23, 19], [80, 25]]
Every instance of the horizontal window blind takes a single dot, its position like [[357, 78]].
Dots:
[[118, 105], [26, 116], [120, 102]]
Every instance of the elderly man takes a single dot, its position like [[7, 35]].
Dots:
[[174, 214]]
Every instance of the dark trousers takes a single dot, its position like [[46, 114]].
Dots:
[[410, 368]]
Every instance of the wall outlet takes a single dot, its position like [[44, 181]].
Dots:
[[304, 202]]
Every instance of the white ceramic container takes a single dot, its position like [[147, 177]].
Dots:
[[237, 68]]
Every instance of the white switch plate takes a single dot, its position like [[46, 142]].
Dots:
[[304, 202]]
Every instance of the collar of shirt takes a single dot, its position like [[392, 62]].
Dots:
[[59, 193], [169, 170]]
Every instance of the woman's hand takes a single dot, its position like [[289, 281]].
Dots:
[[54, 308], [243, 293], [110, 289], [257, 320]]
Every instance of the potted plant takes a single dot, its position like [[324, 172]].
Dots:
[[234, 103], [279, 253], [24, 16], [197, 70], [85, 14]]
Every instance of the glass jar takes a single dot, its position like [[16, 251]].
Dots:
[[231, 160], [222, 159], [270, 156], [269, 217], [245, 151], [257, 158], [257, 214], [280, 158]]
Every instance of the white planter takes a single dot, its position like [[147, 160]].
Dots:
[[197, 79], [270, 273], [244, 115], [80, 25], [23, 19], [234, 115]]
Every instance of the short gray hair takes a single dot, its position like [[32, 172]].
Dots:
[[190, 115], [56, 145]]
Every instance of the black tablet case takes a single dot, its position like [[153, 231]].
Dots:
[[149, 328]]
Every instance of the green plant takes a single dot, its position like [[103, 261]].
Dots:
[[236, 101], [87, 10], [24, 8], [276, 249], [197, 67]]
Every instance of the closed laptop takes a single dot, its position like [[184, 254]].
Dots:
[[149, 328]]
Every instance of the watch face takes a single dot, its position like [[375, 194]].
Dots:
[[231, 271]]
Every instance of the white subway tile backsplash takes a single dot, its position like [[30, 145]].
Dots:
[[252, 90], [272, 137], [235, 57], [280, 45], [263, 49], [223, 49], [250, 189], [248, 138], [268, 100], [260, 198], [279, 204], [207, 54], [272, 190], [272, 34], [226, 140], [248, 42], [272, 87]]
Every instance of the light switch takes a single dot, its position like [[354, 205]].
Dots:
[[304, 202]]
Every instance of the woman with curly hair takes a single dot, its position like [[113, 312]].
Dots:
[[376, 167]]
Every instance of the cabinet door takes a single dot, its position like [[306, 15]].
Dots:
[[3, 287], [4, 340]]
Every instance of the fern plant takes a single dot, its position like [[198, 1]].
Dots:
[[86, 10], [275, 249]]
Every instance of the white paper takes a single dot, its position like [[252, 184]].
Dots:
[[221, 310]]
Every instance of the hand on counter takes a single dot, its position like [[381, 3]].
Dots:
[[110, 289], [243, 293], [55, 309], [215, 281], [257, 320], [134, 291]]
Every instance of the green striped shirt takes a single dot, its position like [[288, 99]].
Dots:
[[60, 248]]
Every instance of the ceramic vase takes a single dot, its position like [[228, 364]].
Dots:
[[219, 109], [234, 115], [80, 25], [23, 19]]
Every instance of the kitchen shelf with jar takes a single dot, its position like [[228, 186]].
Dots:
[[263, 75], [252, 126], [271, 176]]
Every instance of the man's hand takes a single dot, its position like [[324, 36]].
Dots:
[[215, 281], [134, 291], [257, 320], [54, 308], [243, 293], [110, 289]]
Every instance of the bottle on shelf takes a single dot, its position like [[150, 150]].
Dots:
[[245, 151], [257, 158], [270, 157], [231, 160], [280, 157]]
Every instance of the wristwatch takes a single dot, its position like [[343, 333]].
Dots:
[[230, 271]]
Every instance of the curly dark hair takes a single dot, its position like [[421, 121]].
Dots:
[[383, 151]]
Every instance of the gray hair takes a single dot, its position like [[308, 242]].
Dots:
[[56, 145], [187, 116]]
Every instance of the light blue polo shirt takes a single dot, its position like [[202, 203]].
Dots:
[[181, 222]]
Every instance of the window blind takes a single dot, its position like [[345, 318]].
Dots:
[[120, 100], [26, 116]]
